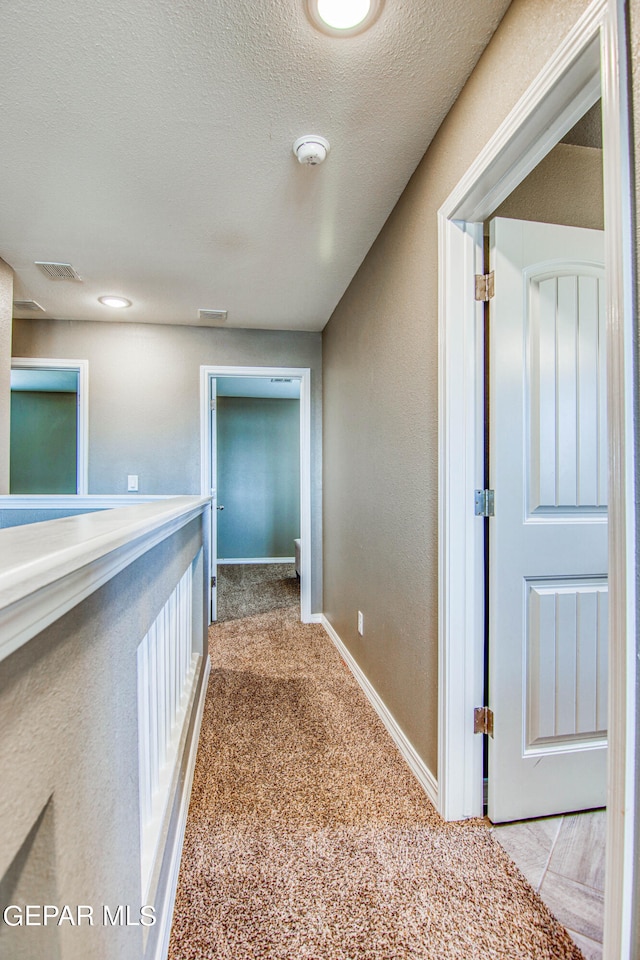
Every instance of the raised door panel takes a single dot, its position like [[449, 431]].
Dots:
[[566, 685], [566, 390]]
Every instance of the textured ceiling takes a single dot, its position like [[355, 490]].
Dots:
[[148, 143]]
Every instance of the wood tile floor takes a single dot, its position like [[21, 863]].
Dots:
[[563, 860]]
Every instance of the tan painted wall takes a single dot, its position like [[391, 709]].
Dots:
[[566, 187], [144, 399], [6, 312], [381, 397]]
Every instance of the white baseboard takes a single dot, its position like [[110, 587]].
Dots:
[[416, 764], [221, 562], [315, 618], [165, 916]]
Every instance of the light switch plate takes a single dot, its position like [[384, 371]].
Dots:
[[132, 482]]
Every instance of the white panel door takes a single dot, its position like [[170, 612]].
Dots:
[[213, 446], [548, 538]]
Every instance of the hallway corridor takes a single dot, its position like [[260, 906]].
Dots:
[[309, 839]]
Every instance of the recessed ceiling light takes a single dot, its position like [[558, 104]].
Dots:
[[343, 18], [115, 301]]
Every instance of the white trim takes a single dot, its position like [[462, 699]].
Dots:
[[553, 101], [44, 575], [82, 368], [461, 551], [164, 912], [247, 560], [621, 880], [303, 374], [564, 89], [415, 762], [72, 501]]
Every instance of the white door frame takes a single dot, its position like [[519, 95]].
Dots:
[[303, 374], [590, 61], [81, 367]]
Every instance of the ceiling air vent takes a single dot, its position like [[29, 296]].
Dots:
[[31, 305], [212, 316], [57, 271]]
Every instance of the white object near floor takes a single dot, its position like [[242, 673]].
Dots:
[[548, 539]]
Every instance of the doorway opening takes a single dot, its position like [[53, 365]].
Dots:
[[256, 443], [257, 468], [545, 456], [49, 426], [590, 62], [546, 544]]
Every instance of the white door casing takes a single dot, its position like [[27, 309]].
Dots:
[[207, 465], [213, 446], [548, 539]]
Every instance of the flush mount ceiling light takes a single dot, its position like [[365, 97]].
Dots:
[[343, 18], [118, 302]]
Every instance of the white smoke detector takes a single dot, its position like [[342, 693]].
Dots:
[[311, 149]]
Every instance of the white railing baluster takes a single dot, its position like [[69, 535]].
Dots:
[[143, 726], [173, 679], [153, 710], [164, 681]]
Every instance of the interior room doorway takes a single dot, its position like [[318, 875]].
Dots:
[[590, 61], [255, 444], [49, 428], [256, 467], [546, 458], [547, 560]]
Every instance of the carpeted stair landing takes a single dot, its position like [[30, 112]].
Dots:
[[309, 838]]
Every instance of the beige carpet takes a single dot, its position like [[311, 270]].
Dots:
[[309, 838], [245, 589]]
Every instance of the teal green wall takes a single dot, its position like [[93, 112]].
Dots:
[[43, 442], [258, 469]]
